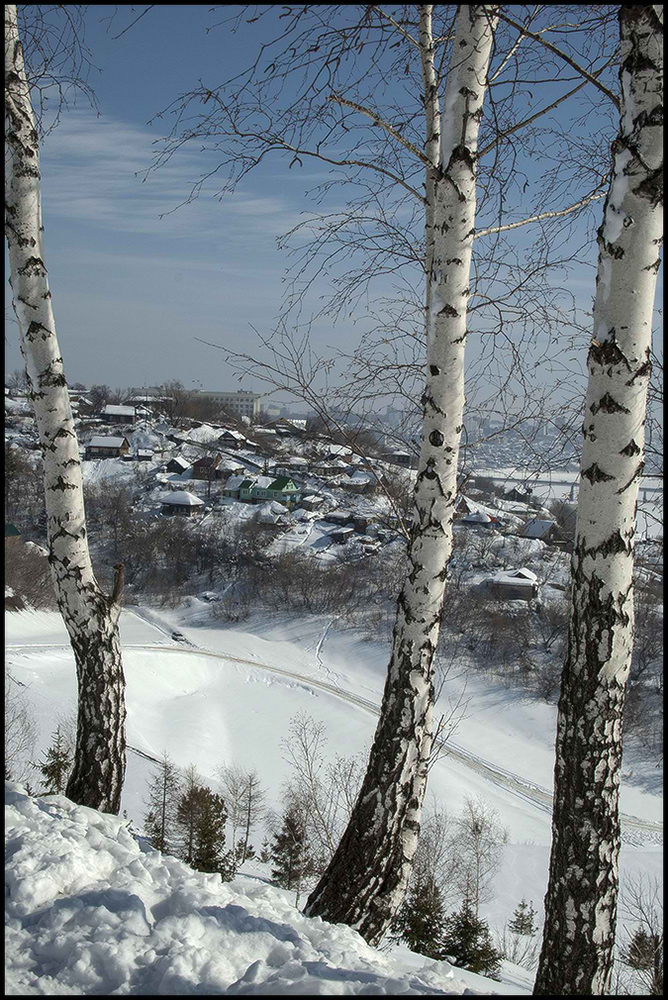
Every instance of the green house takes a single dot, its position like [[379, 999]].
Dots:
[[259, 489]]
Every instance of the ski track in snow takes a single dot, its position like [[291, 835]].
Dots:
[[634, 829]]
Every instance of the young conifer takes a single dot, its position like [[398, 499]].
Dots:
[[523, 920], [57, 764], [467, 942], [421, 920], [160, 820], [289, 853]]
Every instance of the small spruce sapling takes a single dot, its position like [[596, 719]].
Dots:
[[421, 920], [468, 944], [56, 764]]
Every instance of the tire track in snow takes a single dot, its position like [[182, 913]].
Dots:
[[527, 790]]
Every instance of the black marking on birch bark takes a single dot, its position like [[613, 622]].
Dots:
[[448, 310], [33, 264], [636, 475], [434, 370], [596, 475], [644, 371], [615, 544], [36, 329], [607, 353], [61, 485], [614, 250], [651, 187], [608, 405], [436, 439], [631, 449]]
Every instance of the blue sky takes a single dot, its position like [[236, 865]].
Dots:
[[136, 280], [132, 290]]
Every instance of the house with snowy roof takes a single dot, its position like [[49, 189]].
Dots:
[[544, 530], [259, 489], [113, 414], [512, 585], [182, 503], [106, 447]]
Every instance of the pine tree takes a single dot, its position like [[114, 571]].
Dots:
[[200, 817], [57, 764], [421, 920], [523, 920], [160, 820], [186, 814], [468, 944], [209, 854], [289, 852]]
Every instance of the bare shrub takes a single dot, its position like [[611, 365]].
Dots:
[[20, 731], [28, 574]]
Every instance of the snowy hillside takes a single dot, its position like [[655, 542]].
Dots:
[[92, 911], [226, 695]]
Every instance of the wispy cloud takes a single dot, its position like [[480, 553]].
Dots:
[[94, 170]]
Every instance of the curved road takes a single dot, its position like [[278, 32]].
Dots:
[[527, 790]]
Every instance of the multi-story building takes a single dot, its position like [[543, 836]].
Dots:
[[238, 404]]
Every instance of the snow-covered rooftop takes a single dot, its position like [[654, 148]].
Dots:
[[106, 442], [181, 498]]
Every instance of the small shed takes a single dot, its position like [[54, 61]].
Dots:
[[341, 535], [182, 503], [340, 517]]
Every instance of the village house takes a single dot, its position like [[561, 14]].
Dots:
[[544, 530], [207, 467], [399, 457], [181, 503], [106, 447], [113, 414], [512, 585], [259, 489], [329, 467], [177, 465], [232, 439]]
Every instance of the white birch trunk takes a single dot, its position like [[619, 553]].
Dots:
[[581, 901], [366, 880], [90, 616]]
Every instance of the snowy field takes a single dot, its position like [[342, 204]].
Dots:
[[226, 695]]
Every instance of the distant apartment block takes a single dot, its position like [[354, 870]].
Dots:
[[238, 404]]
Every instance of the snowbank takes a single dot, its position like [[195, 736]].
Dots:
[[92, 910]]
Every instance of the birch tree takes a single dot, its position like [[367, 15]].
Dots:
[[366, 880], [90, 615], [581, 901], [324, 90]]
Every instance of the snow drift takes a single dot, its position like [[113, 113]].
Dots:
[[92, 909]]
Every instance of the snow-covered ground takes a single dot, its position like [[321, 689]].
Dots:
[[93, 911], [227, 694]]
